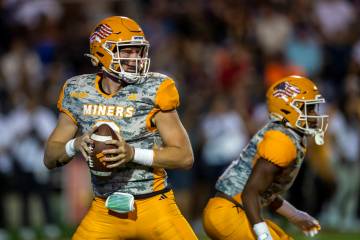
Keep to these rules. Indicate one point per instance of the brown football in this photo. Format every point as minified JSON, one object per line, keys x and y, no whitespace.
{"x":95,"y":162}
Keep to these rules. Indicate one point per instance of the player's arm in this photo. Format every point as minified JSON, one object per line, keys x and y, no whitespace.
{"x":275,"y":151}
{"x":260,"y":179}
{"x":61,"y":145}
{"x":309,"y":225}
{"x":55,"y":154}
{"x":177,"y":151}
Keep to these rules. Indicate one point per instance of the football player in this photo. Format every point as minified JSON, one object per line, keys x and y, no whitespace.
{"x":267,"y":167}
{"x":135,"y":201}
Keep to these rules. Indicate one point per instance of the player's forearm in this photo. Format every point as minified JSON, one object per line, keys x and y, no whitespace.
{"x":173,"y":157}
{"x":167,"y":157}
{"x":251,"y":203}
{"x":55,"y":155}
{"x":283,"y":208}
{"x":287,"y":210}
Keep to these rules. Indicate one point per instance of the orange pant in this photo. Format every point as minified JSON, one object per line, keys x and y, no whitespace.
{"x":222,"y":220}
{"x":156,"y":217}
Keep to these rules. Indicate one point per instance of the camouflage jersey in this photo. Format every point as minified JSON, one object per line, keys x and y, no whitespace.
{"x":275,"y":143}
{"x":132,"y":109}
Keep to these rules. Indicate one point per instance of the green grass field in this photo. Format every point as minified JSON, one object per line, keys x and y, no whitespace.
{"x":324,"y":235}
{"x":320,"y":236}
{"x":331,"y":236}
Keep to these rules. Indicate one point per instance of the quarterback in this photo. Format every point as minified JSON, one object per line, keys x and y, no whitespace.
{"x":135,"y":201}
{"x":267,"y":167}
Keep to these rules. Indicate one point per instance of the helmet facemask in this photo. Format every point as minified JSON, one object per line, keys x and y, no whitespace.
{"x":311,"y":120}
{"x":128,"y":69}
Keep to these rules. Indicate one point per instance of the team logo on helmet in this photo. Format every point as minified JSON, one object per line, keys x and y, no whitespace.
{"x":285,"y":90}
{"x":101,"y":32}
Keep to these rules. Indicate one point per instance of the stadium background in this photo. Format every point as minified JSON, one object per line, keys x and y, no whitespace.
{"x":223,"y":54}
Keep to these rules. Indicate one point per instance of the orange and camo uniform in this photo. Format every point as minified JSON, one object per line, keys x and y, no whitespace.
{"x":156,"y":215}
{"x":224,"y":216}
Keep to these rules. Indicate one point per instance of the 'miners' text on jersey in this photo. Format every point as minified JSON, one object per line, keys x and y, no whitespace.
{"x":132,"y":109}
{"x":275,"y":143}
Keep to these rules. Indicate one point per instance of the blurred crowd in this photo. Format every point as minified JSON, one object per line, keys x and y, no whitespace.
{"x":223,"y":54}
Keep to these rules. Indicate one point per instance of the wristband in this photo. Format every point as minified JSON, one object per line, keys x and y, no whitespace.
{"x":143,"y":156}
{"x":70,"y":148}
{"x":262,"y":231}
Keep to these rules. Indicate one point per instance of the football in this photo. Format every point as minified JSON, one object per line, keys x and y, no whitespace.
{"x":103,"y":133}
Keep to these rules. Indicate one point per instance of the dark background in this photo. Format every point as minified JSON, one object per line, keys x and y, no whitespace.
{"x":223,"y":54}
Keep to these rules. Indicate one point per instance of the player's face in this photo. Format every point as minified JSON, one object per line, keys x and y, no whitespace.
{"x":311,"y":111}
{"x":132,"y":53}
{"x":315,"y":115}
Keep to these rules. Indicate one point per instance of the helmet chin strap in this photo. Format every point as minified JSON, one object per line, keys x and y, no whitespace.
{"x":319,"y":138}
{"x":113,"y":77}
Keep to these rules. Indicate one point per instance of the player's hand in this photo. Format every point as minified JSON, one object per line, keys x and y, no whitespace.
{"x":84,"y":143}
{"x":120,"y":155}
{"x":309,"y":225}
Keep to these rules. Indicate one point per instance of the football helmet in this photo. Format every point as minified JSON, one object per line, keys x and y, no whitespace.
{"x":109,"y":38}
{"x":296,"y":101}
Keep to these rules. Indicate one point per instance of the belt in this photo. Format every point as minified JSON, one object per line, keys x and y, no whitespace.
{"x":229,"y":198}
{"x":152,"y":194}
{"x":145,"y":195}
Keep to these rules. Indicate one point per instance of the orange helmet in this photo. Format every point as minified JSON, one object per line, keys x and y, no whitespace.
{"x":112,"y":35}
{"x":296,"y":101}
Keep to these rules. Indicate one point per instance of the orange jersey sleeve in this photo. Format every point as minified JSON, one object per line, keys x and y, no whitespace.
{"x":166,"y":99}
{"x":277,"y":148}
{"x":167,"y":96}
{"x":63,"y":97}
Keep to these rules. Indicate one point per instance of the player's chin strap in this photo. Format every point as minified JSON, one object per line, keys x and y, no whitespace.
{"x":95,"y":62}
{"x":319,"y":138}
{"x":113,"y":77}
{"x":318,"y":135}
